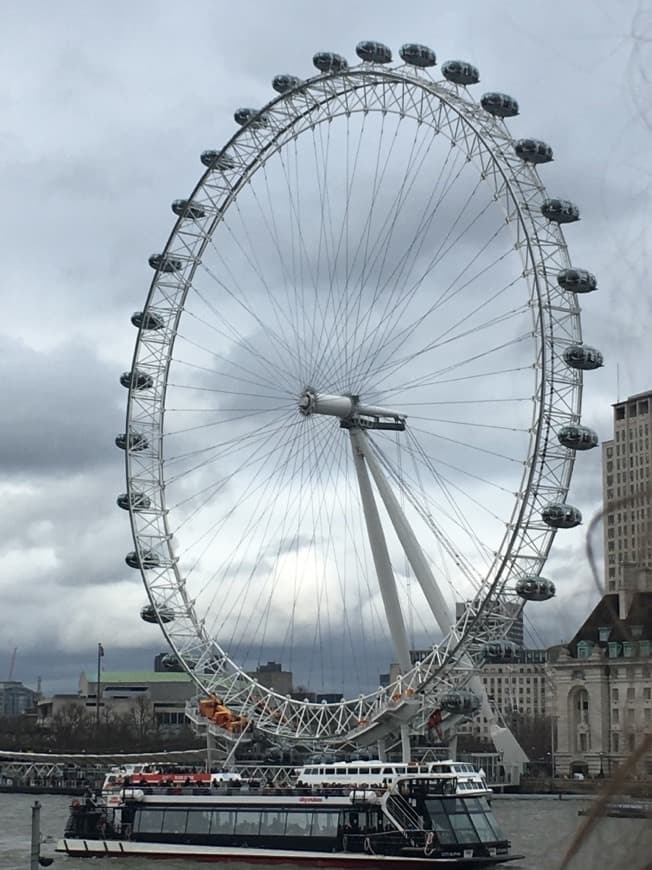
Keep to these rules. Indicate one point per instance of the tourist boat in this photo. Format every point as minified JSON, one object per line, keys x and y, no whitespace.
{"x":414,"y":818}
{"x":622,"y":810}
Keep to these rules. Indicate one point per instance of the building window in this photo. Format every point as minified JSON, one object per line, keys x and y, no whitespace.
{"x":614,"y":695}
{"x":631,"y":742}
{"x":615,"y":715}
{"x":615,"y":742}
{"x":647,"y":693}
{"x":631,"y":693}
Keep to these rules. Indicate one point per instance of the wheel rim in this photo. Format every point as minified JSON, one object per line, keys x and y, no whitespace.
{"x":260,"y":156}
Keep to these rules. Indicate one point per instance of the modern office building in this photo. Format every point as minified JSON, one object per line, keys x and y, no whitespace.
{"x":627,"y":494}
{"x":15,"y":698}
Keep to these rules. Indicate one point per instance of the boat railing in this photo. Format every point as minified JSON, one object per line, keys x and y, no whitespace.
{"x":401,"y":814}
{"x":130,"y":790}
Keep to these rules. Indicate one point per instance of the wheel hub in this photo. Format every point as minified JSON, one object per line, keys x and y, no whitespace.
{"x":351,"y":411}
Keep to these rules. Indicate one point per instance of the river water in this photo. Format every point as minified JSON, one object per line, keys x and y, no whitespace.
{"x":541,"y":829}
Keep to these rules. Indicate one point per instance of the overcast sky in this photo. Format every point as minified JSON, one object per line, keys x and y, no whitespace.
{"x":106,"y":108}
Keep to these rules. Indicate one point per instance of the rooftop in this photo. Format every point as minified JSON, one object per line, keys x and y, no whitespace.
{"x":139,"y":677}
{"x":605,"y":613}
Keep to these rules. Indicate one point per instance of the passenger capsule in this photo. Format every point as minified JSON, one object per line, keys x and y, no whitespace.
{"x":499,"y":105}
{"x":138,"y":501}
{"x":149,"y":614}
{"x":417,"y":55}
{"x":137,"y":380}
{"x":217,"y":160}
{"x":249,"y":116}
{"x":462,"y":701}
{"x":577,"y":280}
{"x":577,"y":437}
{"x":501,"y":649}
{"x":284,"y":83}
{"x":581,"y":356}
{"x":561,"y":516}
{"x":533,"y":151}
{"x":560,"y":211}
{"x":164,"y":263}
{"x":460,"y":72}
{"x":533,"y":588}
{"x":149,"y":559}
{"x":328,"y":61}
{"x":136,"y":442}
{"x":373,"y":52}
{"x":147,"y":320}
{"x":186,"y":208}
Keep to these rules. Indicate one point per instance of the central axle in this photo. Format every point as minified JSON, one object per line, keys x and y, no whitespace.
{"x":351,"y":411}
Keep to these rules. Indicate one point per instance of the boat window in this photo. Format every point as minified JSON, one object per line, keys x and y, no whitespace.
{"x":434,"y":806}
{"x":222,"y":822}
{"x":198,"y":821}
{"x":473,"y":805}
{"x":324,"y":824}
{"x":455,"y":805}
{"x":174,"y":821}
{"x":442,"y":827}
{"x":149,"y":821}
{"x":484,"y":828}
{"x":463,"y":828}
{"x":330,"y":771}
{"x":363,"y":771}
{"x":298,"y":824}
{"x":353,"y":771}
{"x":389,"y":770}
{"x":247,"y":822}
{"x":272,"y":822}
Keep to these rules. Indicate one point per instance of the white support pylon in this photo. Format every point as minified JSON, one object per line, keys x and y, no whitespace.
{"x":382,"y":562}
{"x":406,"y":536}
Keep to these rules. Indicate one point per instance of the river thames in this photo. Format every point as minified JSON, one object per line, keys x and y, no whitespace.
{"x":539,"y":828}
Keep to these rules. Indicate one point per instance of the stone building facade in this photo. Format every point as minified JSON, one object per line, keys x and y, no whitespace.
{"x":602,"y":680}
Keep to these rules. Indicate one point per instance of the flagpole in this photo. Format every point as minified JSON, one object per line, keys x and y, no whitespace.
{"x":100,"y":653}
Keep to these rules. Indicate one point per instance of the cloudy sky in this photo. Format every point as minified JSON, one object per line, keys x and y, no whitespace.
{"x":106,"y":109}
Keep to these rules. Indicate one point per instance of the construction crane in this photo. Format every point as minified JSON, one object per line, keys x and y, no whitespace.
{"x":12,"y":665}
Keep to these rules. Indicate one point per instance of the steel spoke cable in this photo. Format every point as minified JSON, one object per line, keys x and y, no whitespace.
{"x":221,"y":374}
{"x":457,"y":517}
{"x":362,"y":248}
{"x":458,"y":558}
{"x":419,"y":239}
{"x":212,"y":489}
{"x":466,"y":444}
{"x":394,"y":310}
{"x":281,"y":346}
{"x":236,"y":338}
{"x":249,"y":631}
{"x":239,"y":338}
{"x":466,"y":361}
{"x":221,"y":422}
{"x":235,"y":443}
{"x":469,"y":423}
{"x":381,"y":243}
{"x":443,"y":483}
{"x":448,"y":292}
{"x":383,"y":234}
{"x":251,"y":257}
{"x":262,"y":503}
{"x":263,"y":491}
{"x":403,"y":335}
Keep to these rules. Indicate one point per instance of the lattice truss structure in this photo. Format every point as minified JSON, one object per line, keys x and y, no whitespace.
{"x":371,"y":235}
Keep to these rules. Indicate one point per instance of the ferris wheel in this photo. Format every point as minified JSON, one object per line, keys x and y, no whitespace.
{"x":355,"y":397}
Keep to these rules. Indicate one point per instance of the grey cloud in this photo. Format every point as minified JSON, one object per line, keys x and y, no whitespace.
{"x":56,"y":415}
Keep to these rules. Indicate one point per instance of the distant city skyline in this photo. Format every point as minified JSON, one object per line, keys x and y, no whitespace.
{"x":103,"y":132}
